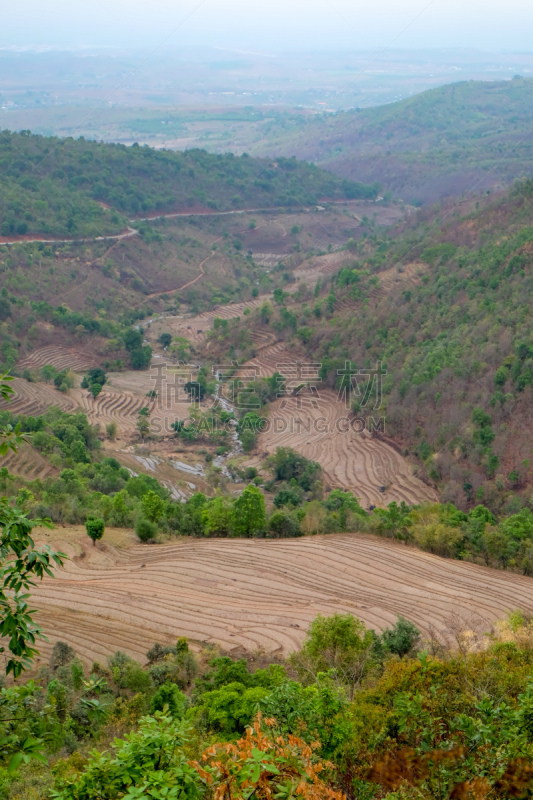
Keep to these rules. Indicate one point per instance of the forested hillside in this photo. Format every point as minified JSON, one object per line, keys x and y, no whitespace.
{"x":68,"y":187}
{"x":463,"y":137}
{"x":457,"y":344}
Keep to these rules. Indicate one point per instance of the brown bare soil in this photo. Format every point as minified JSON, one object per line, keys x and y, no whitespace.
{"x":59,"y":357}
{"x":31,"y":399}
{"x":29,"y":463}
{"x":256,"y":593}
{"x":321,"y":430}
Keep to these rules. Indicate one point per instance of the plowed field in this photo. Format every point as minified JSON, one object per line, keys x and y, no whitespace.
{"x":323,"y":430}
{"x":258,"y":593}
{"x":32,"y":399}
{"x":59,"y":357}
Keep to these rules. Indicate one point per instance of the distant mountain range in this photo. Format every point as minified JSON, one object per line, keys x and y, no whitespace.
{"x":461,"y":138}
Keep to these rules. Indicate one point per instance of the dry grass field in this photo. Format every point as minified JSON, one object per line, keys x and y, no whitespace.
{"x":257,"y":594}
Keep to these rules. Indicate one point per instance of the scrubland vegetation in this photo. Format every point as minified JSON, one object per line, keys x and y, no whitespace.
{"x":352,"y":714}
{"x":459,"y":138}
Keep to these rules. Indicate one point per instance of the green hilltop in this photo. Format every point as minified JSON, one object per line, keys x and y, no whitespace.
{"x":73,"y":187}
{"x":462,"y":137}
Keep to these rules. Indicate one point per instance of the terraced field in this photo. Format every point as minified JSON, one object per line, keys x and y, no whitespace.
{"x":59,"y":357}
{"x":124,"y":395}
{"x":262,"y":338}
{"x":29,"y":464}
{"x":270,"y":358}
{"x":194,"y":328}
{"x":320,"y":429}
{"x":111,"y":406}
{"x":318,"y":267}
{"x":401,"y":277}
{"x":257,"y":593}
{"x":32,"y":399}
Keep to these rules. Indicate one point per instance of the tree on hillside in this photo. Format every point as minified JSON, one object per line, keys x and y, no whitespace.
{"x":165,"y":339}
{"x":145,"y":529}
{"x":143,"y":422}
{"x":196,"y":390}
{"x":402,"y":638}
{"x":153,"y":506}
{"x":48,"y":373}
{"x":111,"y":430}
{"x":95,"y":528}
{"x":62,"y":654}
{"x":133,"y":339}
{"x":217,"y":516}
{"x":249,"y":517}
{"x":95,"y":375}
{"x":287,"y":464}
{"x":64,"y":380}
{"x":339,"y":645}
{"x":141,"y":357}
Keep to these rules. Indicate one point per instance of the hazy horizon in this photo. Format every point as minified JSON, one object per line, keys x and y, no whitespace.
{"x":274,"y":26}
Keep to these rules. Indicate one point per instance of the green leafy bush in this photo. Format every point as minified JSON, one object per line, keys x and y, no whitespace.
{"x":145,"y":530}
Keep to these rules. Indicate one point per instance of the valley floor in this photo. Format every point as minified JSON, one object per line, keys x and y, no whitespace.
{"x":357,"y":461}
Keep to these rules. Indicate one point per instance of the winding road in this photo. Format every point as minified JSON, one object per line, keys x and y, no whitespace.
{"x":175,"y":214}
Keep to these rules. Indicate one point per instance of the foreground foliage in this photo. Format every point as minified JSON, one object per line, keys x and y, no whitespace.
{"x":440,"y":722}
{"x":147,"y":763}
{"x":21,"y":563}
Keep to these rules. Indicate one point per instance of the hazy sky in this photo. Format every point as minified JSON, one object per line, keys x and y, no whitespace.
{"x":272,"y":24}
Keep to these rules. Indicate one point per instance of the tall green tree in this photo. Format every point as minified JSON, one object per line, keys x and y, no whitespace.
{"x":143,"y":423}
{"x":153,"y":506}
{"x":249,"y":518}
{"x":217,"y":516}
